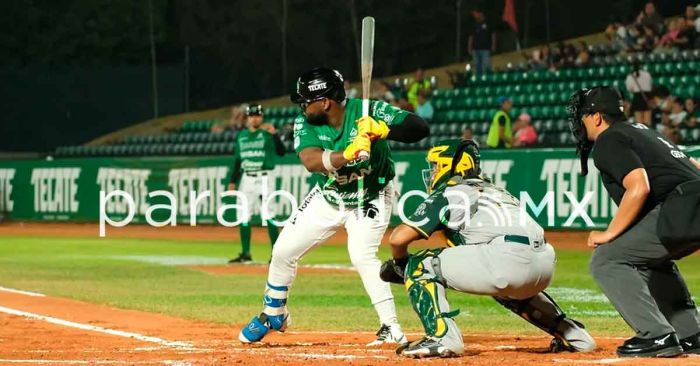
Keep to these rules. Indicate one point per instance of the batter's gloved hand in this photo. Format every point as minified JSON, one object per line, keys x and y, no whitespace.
{"x":393,"y":270}
{"x":359,"y":144}
{"x":373,"y":128}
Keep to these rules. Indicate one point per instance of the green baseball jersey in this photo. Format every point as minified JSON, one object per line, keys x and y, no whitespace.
{"x":377,"y":172}
{"x":255,"y":150}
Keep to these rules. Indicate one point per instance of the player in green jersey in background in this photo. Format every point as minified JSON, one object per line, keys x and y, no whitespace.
{"x":329,"y":137}
{"x":257,"y":147}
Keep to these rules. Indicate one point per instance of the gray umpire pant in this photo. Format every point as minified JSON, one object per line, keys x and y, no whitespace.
{"x":635,"y":273}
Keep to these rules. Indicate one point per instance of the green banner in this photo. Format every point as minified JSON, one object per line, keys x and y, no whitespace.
{"x":547,"y":181}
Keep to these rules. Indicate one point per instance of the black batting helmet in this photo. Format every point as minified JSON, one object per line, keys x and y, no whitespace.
{"x":254,"y":110}
{"x":319,"y":83}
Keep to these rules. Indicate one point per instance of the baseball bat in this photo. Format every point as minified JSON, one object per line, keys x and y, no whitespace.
{"x":366,"y":63}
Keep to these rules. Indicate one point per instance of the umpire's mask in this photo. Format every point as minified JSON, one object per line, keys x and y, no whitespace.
{"x":599,"y":99}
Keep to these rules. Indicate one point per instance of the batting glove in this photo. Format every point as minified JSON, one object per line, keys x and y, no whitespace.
{"x":359,"y":144}
{"x":373,"y":128}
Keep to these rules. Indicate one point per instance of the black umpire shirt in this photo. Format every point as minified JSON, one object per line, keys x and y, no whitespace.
{"x":626,"y":146}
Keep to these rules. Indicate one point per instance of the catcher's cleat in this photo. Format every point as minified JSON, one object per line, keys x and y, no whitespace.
{"x":389,"y":334}
{"x":574,"y":337}
{"x":242,"y":258}
{"x":428,"y":347}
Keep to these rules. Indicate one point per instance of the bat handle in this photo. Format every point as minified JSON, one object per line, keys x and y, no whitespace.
{"x":363,"y":155}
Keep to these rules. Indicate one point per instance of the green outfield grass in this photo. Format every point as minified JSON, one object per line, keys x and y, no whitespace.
{"x":149,"y":275}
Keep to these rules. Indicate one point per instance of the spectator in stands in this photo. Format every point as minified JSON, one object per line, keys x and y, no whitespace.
{"x":617,"y":34}
{"x":639,"y":83}
{"x":525,"y":133}
{"x":481,"y":43}
{"x":501,"y":131}
{"x":691,"y":119}
{"x":424,"y":108}
{"x":645,"y":40}
{"x":349,"y":90}
{"x":658,"y":104}
{"x":627,"y":110}
{"x":537,"y":61}
{"x":584,"y":57}
{"x":382,"y":91}
{"x":467,"y":133}
{"x":405,"y":105}
{"x":650,"y":18}
{"x":666,"y":128}
{"x":418,"y":85}
{"x":674,"y":38}
{"x":696,"y":24}
{"x":677,"y":113}
{"x":569,"y":55}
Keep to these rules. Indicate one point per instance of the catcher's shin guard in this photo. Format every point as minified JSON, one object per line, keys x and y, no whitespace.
{"x":426,"y":291}
{"x":544,"y":313}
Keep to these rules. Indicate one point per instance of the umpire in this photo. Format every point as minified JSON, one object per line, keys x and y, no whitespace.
{"x":639,"y":169}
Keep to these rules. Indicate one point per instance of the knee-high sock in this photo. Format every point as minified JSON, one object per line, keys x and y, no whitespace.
{"x":272,"y":232}
{"x":245,"y":238}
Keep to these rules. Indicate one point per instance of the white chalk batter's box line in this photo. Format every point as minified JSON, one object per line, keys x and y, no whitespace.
{"x":187,"y":346}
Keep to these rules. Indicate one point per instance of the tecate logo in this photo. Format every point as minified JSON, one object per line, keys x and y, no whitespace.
{"x":318,"y":86}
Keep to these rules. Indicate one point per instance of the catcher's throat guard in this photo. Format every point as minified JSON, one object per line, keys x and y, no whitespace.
{"x":576,"y":111}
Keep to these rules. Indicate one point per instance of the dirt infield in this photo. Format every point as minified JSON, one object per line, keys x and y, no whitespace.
{"x":46,"y":330}
{"x":37,"y":329}
{"x":560,"y":239}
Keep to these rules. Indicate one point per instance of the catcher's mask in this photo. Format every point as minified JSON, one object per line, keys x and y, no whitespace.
{"x":449,"y":158}
{"x":599,"y":99}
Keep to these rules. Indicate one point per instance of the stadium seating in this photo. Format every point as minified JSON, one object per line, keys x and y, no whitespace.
{"x":541,"y":93}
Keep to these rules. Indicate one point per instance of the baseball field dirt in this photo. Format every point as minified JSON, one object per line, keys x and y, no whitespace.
{"x":38,"y":329}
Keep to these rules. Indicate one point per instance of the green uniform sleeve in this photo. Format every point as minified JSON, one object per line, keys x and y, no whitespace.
{"x":236,"y":170}
{"x":381,"y":110}
{"x":431,"y":215}
{"x":304,"y":135}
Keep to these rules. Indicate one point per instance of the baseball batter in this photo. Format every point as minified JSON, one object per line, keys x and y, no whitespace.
{"x":256,"y":149}
{"x":494,"y":248}
{"x":329,"y":138}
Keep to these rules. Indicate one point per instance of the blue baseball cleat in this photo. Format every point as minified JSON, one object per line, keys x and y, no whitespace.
{"x":255,"y":330}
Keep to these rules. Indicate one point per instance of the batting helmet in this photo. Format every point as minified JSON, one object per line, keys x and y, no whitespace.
{"x":254,"y":110}
{"x":319,"y":83}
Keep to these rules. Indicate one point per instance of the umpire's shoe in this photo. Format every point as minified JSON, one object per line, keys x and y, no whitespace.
{"x":691,"y":344}
{"x":388,"y":334}
{"x":666,"y":345}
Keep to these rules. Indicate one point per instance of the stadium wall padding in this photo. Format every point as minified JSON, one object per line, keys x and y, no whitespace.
{"x":69,"y":189}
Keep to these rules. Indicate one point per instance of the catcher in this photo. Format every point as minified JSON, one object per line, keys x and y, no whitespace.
{"x":494,"y":249}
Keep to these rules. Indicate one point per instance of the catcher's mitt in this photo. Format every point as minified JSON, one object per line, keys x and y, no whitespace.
{"x":393,"y":270}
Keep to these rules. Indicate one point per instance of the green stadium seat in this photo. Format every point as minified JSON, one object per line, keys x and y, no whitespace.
{"x":453,"y":130}
{"x":439,"y":103}
{"x":462,"y":115}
